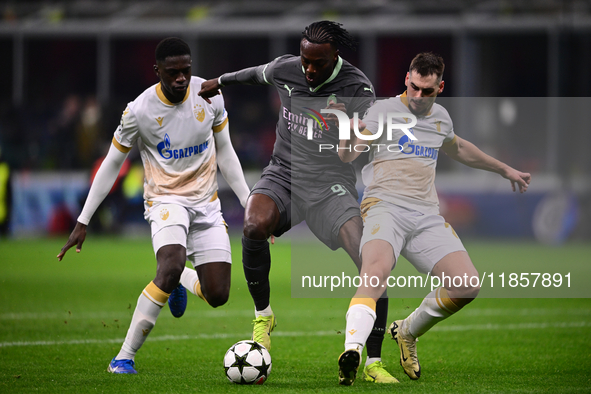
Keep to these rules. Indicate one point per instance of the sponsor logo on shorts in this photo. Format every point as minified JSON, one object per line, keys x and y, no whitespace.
{"x":375,"y":229}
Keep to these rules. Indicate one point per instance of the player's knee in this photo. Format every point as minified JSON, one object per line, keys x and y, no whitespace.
{"x":464,"y":295}
{"x":255,"y":230}
{"x":473,"y":286}
{"x":379,"y":272}
{"x":171,"y":263}
{"x":169,"y":277}
{"x":473,"y":291}
{"x":259,"y":222}
{"x":469,"y":293}
{"x":216,"y":297}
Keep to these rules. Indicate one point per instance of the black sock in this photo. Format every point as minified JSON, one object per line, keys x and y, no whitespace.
{"x":256,"y":261}
{"x":376,"y":337}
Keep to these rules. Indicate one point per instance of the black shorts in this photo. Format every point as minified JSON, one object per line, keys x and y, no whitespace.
{"x":325,"y":206}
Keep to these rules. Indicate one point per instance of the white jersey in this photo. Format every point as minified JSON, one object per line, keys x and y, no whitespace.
{"x":402,"y":171}
{"x":176,"y":144}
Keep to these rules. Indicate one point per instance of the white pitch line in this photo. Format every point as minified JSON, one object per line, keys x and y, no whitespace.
{"x":456,"y":328}
{"x":115,"y":315}
{"x":508,"y":327}
{"x":223,"y":313}
{"x":524,"y":311}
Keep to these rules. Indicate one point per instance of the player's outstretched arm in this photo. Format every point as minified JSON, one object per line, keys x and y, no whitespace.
{"x":230,"y":165}
{"x":467,"y":153}
{"x":258,"y":75}
{"x":102,"y":184}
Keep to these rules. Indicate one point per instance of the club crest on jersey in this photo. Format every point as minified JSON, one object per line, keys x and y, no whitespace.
{"x":199,"y":112}
{"x":438,"y":125}
{"x":164,"y":148}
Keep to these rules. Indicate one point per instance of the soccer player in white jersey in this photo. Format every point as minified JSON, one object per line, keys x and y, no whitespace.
{"x":400,"y":210}
{"x":181,"y":139}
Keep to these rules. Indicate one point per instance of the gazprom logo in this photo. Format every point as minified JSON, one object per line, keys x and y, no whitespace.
{"x":164,"y":147}
{"x":407,"y":147}
{"x":167,"y":153}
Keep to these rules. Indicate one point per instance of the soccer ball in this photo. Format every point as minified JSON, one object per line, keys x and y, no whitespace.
{"x":247,"y":362}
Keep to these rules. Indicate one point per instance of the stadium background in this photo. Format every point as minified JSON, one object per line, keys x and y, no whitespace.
{"x":517,"y":83}
{"x":70,"y":67}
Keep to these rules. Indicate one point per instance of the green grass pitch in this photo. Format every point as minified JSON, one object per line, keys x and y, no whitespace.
{"x":62,"y":322}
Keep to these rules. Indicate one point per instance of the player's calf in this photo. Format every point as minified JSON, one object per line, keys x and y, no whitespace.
{"x":459,"y":277}
{"x":462,"y":296}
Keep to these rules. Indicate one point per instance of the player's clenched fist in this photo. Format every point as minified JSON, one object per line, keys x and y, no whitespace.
{"x":209,"y":89}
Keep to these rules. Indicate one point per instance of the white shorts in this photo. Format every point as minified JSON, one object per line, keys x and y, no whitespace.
{"x":422,"y":239}
{"x":201,"y":230}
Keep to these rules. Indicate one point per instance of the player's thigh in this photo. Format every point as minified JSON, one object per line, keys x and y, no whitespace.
{"x":455,"y":264}
{"x":169,"y":224}
{"x":383,"y":221}
{"x":431,"y":241}
{"x":377,"y":259}
{"x":208,"y":240}
{"x":327,"y":208}
{"x":274,"y":186}
{"x":350,"y":238}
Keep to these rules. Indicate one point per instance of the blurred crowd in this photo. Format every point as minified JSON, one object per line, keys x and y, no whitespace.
{"x":73,"y":133}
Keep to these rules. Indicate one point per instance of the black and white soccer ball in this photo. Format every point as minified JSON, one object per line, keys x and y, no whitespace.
{"x":247,"y":362}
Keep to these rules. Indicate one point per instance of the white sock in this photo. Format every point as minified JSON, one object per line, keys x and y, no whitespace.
{"x":360,"y":319}
{"x":144,"y":318}
{"x":265,"y":312}
{"x":437,"y":306}
{"x":190,"y":280}
{"x":371,"y":360}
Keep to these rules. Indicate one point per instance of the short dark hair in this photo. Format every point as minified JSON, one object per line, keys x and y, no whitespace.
{"x":171,"y":46}
{"x":323,"y":32}
{"x":427,"y":63}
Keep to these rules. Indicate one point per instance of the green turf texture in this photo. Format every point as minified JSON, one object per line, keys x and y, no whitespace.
{"x":62,"y":322}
